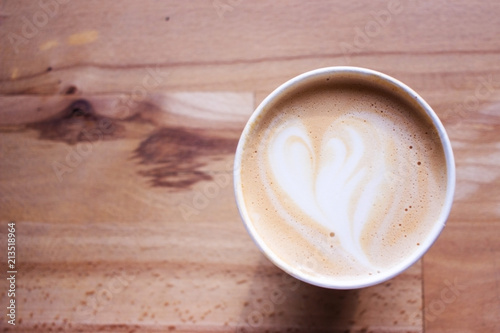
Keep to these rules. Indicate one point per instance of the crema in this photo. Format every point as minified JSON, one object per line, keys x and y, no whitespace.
{"x":343,"y":178}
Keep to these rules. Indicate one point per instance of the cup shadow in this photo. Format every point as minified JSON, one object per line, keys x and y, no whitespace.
{"x":277,"y":302}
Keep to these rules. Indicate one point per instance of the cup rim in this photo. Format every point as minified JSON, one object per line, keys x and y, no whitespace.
{"x":331,"y":282}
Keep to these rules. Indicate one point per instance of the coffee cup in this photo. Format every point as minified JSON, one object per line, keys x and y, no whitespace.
{"x":344,"y":177}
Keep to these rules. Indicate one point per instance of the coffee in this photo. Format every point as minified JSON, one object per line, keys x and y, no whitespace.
{"x":342,"y":178}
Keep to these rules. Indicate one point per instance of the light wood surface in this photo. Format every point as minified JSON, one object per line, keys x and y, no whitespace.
{"x":118,"y":124}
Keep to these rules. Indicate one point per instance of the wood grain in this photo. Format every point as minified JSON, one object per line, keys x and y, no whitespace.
{"x":118,"y":121}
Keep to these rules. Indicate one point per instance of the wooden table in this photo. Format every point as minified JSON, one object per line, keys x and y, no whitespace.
{"x":118,"y":125}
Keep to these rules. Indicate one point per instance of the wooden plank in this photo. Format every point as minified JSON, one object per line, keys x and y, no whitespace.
{"x":461,"y":271}
{"x":126,"y":241}
{"x":254,"y":46}
{"x":152,"y":276}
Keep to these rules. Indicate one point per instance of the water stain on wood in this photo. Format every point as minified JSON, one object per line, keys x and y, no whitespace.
{"x":78,"y":123}
{"x":177,"y":155}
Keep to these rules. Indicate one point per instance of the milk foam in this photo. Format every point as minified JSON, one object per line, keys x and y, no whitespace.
{"x":344,"y":186}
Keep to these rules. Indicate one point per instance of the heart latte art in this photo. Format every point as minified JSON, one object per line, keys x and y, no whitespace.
{"x":324,"y":182}
{"x":343,"y":182}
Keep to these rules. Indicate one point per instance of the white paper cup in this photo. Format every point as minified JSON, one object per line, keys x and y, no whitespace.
{"x":402,"y":91}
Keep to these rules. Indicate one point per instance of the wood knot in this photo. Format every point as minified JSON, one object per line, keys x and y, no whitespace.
{"x":78,"y":122}
{"x":71,"y":90}
{"x":80,"y":108}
